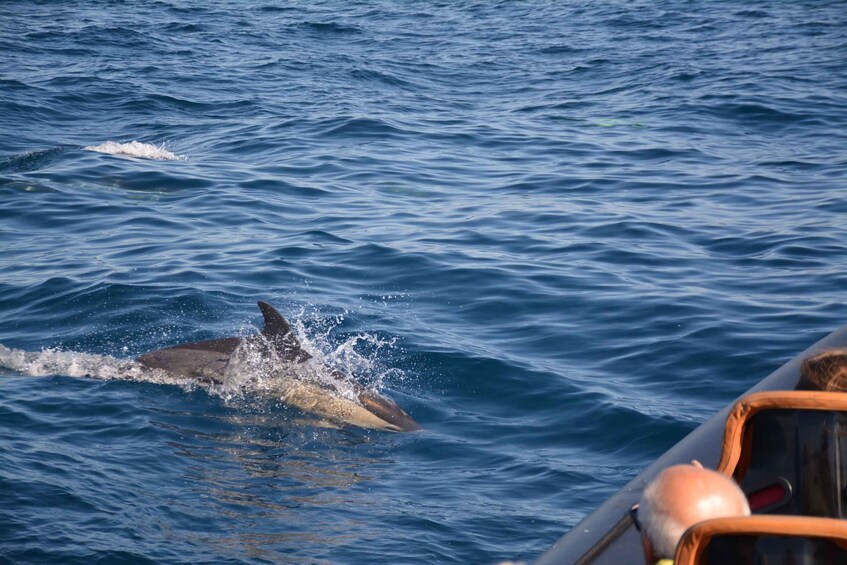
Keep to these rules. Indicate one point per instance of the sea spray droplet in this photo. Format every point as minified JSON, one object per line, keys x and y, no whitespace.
{"x":136,"y":149}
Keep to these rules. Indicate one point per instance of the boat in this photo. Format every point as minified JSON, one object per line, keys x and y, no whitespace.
{"x":608,"y":535}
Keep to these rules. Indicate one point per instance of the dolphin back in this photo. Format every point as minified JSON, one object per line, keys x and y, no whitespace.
{"x":209,"y":360}
{"x":203,"y":360}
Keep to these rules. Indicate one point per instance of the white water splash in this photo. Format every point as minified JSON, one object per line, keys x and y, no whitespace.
{"x":250,"y":371}
{"x":81,"y":365}
{"x":346,"y":357}
{"x":136,"y":149}
{"x":340,"y":368}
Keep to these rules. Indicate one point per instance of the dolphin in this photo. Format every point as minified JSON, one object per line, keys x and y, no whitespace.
{"x":208,"y":361}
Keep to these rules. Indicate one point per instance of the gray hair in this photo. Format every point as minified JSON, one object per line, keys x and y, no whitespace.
{"x":660,"y":527}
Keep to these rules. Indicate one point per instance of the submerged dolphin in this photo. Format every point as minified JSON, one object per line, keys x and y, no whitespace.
{"x":208,"y":361}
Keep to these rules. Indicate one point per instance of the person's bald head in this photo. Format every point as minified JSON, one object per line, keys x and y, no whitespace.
{"x":681,"y":496}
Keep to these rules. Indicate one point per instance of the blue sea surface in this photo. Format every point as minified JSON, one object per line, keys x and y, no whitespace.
{"x":560,"y":234}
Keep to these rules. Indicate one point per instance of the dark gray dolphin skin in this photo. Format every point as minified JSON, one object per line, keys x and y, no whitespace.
{"x":207,"y":361}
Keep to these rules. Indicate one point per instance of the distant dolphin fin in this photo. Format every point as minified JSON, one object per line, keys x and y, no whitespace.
{"x":278,"y":332}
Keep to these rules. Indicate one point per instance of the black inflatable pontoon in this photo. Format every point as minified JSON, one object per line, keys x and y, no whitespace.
{"x":607,"y":535}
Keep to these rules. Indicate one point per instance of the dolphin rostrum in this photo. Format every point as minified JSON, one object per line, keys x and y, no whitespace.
{"x":211,"y":361}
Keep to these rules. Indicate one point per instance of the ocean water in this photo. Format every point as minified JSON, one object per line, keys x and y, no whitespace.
{"x":560,"y":234}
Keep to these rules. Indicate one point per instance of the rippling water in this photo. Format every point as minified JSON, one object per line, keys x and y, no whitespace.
{"x":560,"y":234}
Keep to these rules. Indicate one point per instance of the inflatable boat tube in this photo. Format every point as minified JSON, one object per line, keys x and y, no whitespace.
{"x":607,"y":535}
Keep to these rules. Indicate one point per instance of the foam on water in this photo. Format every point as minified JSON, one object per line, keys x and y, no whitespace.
{"x":136,"y":149}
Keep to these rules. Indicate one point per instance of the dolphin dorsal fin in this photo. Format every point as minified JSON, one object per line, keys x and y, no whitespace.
{"x":275,"y":324}
{"x":278,"y":332}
